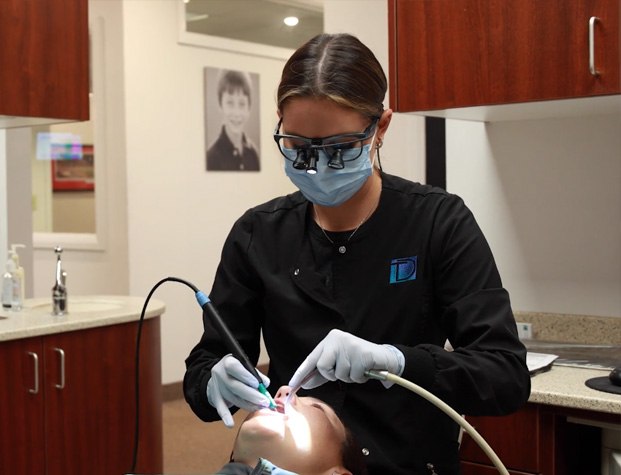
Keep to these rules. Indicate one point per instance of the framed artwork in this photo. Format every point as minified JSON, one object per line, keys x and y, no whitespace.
{"x":232,"y":120}
{"x":75,"y":175}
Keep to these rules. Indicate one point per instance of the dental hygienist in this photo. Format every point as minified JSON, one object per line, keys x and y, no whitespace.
{"x":360,"y":270}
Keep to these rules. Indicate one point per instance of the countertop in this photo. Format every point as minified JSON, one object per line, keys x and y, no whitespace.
{"x":589,"y":346}
{"x":564,"y":386}
{"x":36,"y":318}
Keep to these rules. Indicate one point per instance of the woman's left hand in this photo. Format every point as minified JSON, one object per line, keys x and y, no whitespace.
{"x":343,"y":356}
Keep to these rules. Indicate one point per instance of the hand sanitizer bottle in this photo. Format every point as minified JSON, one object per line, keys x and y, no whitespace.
{"x":10,"y":287}
{"x":7,"y":287}
{"x":17,"y":275}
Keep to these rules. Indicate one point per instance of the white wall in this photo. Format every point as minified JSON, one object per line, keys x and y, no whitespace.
{"x":547,"y":194}
{"x":179,"y":215}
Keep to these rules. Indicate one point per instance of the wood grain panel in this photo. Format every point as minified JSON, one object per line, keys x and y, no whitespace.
{"x":90,"y":421}
{"x":22,"y":440}
{"x":460,"y":53}
{"x":44,"y":55}
{"x":514,"y":438}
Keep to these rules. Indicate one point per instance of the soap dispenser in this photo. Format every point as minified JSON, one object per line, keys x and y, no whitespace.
{"x":19,"y":279}
{"x":13,"y":281}
{"x":7,"y":284}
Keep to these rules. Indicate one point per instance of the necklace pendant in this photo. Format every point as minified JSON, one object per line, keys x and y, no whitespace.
{"x":342,"y":249}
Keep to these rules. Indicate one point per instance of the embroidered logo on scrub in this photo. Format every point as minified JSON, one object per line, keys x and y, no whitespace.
{"x":403,"y":269}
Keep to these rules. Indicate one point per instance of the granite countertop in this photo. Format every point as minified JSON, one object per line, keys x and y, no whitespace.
{"x":564,"y":386}
{"x":36,"y":317}
{"x":587,"y":346}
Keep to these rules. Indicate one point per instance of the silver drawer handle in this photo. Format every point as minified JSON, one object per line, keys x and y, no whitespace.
{"x":592,"y":68}
{"x":35,"y":359}
{"x":62,"y":368}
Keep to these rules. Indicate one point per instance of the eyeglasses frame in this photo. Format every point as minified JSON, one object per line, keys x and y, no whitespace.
{"x":314,"y":144}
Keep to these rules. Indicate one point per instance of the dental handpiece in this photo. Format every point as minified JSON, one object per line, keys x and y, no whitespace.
{"x":231,"y":343}
{"x":298,"y":386}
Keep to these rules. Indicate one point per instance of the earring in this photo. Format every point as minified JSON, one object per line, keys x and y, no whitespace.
{"x":379,"y":144}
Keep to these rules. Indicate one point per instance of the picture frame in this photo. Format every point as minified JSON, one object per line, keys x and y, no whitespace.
{"x":75,"y":175}
{"x":232,"y":111}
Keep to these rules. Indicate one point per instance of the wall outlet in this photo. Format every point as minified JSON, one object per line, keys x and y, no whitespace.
{"x":525,"y":331}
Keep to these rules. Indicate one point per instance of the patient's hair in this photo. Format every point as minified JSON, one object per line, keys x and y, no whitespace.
{"x":351,"y":452}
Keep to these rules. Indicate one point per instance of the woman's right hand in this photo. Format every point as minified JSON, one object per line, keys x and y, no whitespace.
{"x":233,"y":385}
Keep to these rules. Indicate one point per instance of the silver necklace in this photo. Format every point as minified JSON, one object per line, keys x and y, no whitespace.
{"x":342,"y":248}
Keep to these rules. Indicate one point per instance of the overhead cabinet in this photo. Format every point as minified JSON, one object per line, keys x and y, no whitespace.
{"x":44,"y":61}
{"x":462,"y":53}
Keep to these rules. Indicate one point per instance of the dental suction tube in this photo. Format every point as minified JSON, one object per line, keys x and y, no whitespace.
{"x":386,"y":376}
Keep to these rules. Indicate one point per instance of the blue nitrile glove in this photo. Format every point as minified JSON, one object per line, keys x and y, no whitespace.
{"x":233,"y":385}
{"x":346,"y":357}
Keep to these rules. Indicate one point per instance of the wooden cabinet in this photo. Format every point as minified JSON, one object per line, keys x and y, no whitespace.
{"x":538,"y":439}
{"x":460,"y":53}
{"x":67,"y":402}
{"x":22,"y":422}
{"x":44,"y":61}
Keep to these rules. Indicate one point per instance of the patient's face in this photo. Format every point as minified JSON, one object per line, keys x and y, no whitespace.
{"x":305,"y":437}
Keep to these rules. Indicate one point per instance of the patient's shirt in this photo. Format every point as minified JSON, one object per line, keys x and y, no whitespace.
{"x":264,"y":467}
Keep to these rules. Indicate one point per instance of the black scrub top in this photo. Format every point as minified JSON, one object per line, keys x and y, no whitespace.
{"x":419,"y":272}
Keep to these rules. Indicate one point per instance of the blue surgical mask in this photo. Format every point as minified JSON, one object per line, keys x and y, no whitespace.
{"x":329,"y":186}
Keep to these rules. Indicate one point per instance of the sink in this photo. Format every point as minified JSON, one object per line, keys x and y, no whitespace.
{"x":77,"y":305}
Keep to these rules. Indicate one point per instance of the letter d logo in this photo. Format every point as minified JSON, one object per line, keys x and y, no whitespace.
{"x":403,"y":269}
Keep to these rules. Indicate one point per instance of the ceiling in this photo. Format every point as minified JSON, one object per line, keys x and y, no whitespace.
{"x":256,"y":21}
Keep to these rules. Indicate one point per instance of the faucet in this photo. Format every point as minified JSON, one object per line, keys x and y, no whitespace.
{"x":59,"y":291}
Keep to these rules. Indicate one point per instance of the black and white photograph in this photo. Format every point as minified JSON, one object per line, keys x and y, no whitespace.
{"x":232,"y":129}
